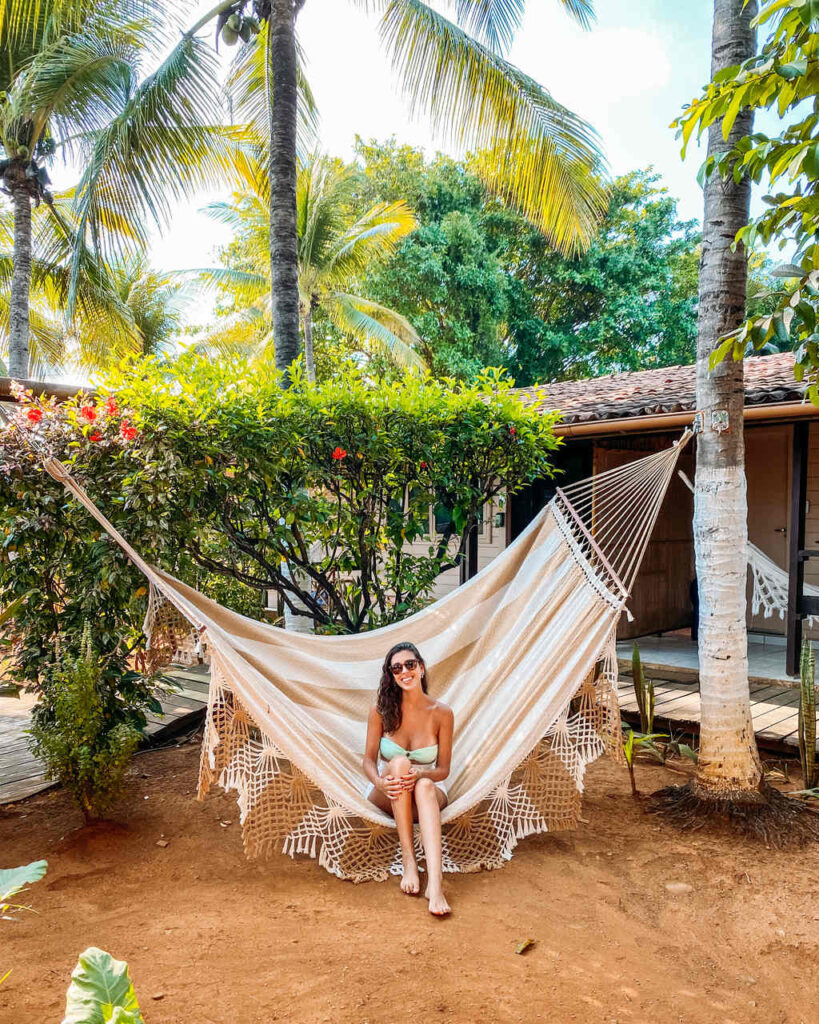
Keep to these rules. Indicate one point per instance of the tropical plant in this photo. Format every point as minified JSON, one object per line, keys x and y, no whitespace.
{"x":784,"y":76}
{"x":101,"y":991}
{"x":531,"y":149}
{"x":102,"y":328}
{"x":807,"y":716}
{"x":84,"y":733}
{"x":633,"y":744}
{"x":643,"y":691}
{"x":336,"y":248}
{"x":14,"y":881}
{"x":76,"y":85}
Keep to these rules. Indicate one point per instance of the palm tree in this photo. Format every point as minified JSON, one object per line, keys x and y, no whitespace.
{"x":532,"y":149}
{"x":729,"y":770}
{"x":74,"y":83}
{"x":335,"y":248}
{"x":102,"y":327}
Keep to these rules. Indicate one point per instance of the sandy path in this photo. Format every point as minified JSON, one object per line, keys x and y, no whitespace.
{"x":224,"y":941}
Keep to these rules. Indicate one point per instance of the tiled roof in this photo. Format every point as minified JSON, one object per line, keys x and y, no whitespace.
{"x":768,"y":380}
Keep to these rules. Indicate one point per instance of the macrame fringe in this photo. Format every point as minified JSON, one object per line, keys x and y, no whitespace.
{"x":282,"y":810}
{"x":172,"y":639}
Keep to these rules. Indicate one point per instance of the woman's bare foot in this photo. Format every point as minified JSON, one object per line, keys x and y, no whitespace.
{"x":437,"y":901}
{"x":410,"y":882}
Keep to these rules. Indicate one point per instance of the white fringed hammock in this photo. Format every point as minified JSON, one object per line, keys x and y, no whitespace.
{"x":523,"y":653}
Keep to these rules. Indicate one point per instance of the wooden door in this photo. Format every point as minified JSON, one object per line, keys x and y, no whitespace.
{"x":660,"y":599}
{"x":767,"y":470}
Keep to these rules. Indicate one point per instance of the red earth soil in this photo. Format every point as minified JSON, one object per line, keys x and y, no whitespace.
{"x":214,"y":939}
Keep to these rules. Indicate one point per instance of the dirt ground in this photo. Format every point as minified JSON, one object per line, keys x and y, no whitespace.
{"x":214,"y":939}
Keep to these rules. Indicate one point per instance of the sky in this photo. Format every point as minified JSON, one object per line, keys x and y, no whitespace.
{"x":629,"y":76}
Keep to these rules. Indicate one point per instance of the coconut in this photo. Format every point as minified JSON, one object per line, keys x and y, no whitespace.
{"x":234,"y":22}
{"x":229,"y":36}
{"x":245,"y":32}
{"x":23,"y":152}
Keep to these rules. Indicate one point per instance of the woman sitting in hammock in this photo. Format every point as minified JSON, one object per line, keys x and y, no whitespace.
{"x":412,"y":733}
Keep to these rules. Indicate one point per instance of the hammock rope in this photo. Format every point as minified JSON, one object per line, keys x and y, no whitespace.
{"x":524,"y":653}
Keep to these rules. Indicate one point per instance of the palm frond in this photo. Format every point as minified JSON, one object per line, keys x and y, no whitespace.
{"x":249,"y":91}
{"x":246,"y":334}
{"x":392,"y":333}
{"x":167,"y":140}
{"x":494,"y":22}
{"x":323,"y":188}
{"x":541,"y":153}
{"x":76,"y":84}
{"x":372,"y":238}
{"x":581,"y":10}
{"x":47,"y":336}
{"x":244,"y":287}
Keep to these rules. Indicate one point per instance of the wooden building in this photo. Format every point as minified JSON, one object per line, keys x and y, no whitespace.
{"x":613,"y":419}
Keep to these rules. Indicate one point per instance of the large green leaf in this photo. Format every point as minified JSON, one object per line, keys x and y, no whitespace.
{"x":14,"y":880}
{"x":101,"y":991}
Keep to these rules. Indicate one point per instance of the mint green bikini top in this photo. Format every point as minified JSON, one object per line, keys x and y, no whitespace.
{"x":423,"y":755}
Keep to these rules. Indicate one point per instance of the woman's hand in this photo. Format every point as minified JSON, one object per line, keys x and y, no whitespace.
{"x":408,"y":781}
{"x":392,"y":785}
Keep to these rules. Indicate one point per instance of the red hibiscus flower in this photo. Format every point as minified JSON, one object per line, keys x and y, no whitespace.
{"x":423,"y":465}
{"x":126,"y":431}
{"x":34,"y":415}
{"x":339,"y":453}
{"x":512,"y":431}
{"x":88,"y":413}
{"x":95,"y":437}
{"x":111,"y":406}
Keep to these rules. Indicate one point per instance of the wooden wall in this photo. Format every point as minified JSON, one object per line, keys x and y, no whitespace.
{"x":661,"y":597}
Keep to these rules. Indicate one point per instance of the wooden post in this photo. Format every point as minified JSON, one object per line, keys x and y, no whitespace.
{"x":469,"y":552}
{"x":796,"y":545}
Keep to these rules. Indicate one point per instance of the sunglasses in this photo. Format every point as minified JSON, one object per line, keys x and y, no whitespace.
{"x":397,"y":667}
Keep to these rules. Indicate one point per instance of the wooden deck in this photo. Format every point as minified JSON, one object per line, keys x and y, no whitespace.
{"x":774,"y":709}
{"x":21,"y":775}
{"x":677,"y":707}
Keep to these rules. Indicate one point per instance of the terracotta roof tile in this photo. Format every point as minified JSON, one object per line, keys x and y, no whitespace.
{"x":768,"y":380}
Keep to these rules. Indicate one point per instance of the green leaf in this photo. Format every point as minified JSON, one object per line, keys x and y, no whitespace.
{"x":14,"y":880}
{"x":793,"y":69}
{"x":810,"y":162}
{"x":721,"y":352}
{"x":99,"y":987}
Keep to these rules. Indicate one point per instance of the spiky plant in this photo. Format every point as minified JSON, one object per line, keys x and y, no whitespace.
{"x":643,"y":691}
{"x":807,"y":715}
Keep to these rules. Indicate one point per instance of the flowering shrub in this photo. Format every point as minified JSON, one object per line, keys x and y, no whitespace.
{"x":216,"y":474}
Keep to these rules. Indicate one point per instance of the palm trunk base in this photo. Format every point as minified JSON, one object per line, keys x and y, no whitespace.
{"x":763,"y":814}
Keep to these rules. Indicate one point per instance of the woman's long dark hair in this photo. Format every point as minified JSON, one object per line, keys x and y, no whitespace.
{"x":388,"y":702}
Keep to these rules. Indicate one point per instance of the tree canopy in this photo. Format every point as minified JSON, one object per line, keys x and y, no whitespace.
{"x":483,"y":287}
{"x":783,"y":75}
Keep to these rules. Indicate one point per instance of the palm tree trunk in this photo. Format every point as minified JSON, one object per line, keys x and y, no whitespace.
{"x":284,"y":271}
{"x":20,"y":285}
{"x":729,"y":766}
{"x":309,"y":358}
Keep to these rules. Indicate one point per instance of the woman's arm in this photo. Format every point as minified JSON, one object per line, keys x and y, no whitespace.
{"x":387,"y":784}
{"x":446,"y":725}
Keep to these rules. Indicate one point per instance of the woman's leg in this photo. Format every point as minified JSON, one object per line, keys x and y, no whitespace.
{"x":429,"y":800}
{"x":401,"y":809}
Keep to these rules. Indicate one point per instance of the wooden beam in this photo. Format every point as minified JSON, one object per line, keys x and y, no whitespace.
{"x":796,"y":544}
